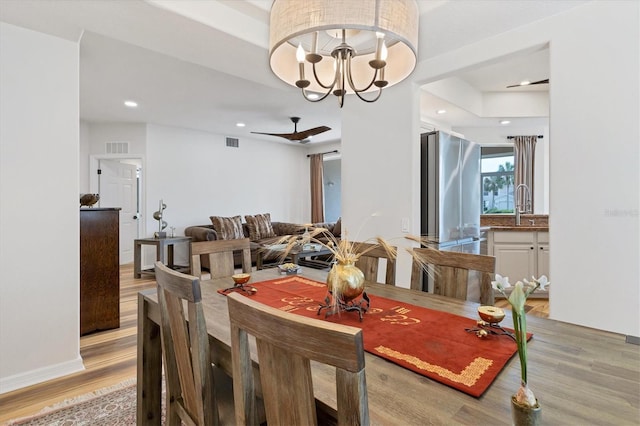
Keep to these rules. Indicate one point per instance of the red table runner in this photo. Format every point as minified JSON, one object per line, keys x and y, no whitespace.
{"x":429,"y":342}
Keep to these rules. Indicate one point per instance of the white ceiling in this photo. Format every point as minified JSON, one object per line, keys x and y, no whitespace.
{"x":207,"y":67}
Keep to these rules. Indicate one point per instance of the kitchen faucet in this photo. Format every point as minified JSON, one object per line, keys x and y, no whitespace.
{"x":520,"y":206}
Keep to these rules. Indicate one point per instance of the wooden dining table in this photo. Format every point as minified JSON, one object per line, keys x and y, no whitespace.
{"x":579,"y":375}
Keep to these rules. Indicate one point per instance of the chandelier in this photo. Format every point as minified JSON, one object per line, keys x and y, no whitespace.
{"x":338,"y":47}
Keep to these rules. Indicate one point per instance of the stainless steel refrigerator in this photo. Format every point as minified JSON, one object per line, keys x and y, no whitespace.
{"x":450,"y":191}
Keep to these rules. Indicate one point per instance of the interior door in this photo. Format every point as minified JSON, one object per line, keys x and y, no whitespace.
{"x":119,"y":188}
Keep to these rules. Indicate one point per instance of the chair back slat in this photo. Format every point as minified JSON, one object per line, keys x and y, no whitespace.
{"x":185,"y":348}
{"x":450,"y":272}
{"x":286,"y":344}
{"x":286,"y":377}
{"x":220,"y":256}
{"x":369,"y":263}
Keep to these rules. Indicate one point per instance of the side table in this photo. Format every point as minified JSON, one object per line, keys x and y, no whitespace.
{"x":160,"y":243}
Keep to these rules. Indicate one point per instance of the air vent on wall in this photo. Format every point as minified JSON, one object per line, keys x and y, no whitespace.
{"x":117,"y":147}
{"x":233,"y":142}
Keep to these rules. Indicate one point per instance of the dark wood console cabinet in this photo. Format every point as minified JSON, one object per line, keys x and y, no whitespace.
{"x":99,"y":269}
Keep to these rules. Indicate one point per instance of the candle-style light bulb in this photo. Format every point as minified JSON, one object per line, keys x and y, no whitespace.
{"x":302,"y":83}
{"x":300,"y":54}
{"x":380,"y":58}
{"x":383,"y":51}
{"x":313,"y":57}
{"x":380,"y":42}
{"x":314,"y":43}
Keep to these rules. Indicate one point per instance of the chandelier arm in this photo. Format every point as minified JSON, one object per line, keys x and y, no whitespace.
{"x":353,"y":86}
{"x":315,"y":76}
{"x":304,"y":93}
{"x":342,"y":91}
{"x":370,"y":100}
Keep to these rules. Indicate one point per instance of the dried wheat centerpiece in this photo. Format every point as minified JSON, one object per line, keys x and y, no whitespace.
{"x":345,"y":282}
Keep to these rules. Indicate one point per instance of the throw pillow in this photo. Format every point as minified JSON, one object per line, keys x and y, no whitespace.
{"x":337,"y":228}
{"x":259,"y":226}
{"x":228,"y":228}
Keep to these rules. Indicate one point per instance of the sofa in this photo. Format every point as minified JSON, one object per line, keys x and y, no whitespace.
{"x":258,"y":228}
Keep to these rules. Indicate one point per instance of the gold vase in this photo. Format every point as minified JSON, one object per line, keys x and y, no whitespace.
{"x":345,"y":281}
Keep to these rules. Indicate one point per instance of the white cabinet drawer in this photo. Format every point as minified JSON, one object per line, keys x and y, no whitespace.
{"x":513,"y":237}
{"x":543,"y":237}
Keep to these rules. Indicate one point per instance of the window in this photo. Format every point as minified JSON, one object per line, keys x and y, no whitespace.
{"x":332,"y":188}
{"x":497,"y":179}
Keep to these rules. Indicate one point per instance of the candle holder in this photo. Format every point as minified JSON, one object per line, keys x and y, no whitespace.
{"x":489,"y":322}
{"x":335,"y":305}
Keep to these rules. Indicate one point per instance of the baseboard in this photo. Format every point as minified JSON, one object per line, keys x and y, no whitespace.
{"x":634,"y":340}
{"x":39,"y":375}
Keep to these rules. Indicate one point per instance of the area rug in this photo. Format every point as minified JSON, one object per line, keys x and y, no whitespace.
{"x":432,"y":343}
{"x":112,"y":406}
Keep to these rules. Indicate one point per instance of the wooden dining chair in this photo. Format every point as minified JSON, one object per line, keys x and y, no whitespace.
{"x":286,"y":343}
{"x":369,"y":262}
{"x":185,"y":349}
{"x":220,"y":257}
{"x":449,"y":272}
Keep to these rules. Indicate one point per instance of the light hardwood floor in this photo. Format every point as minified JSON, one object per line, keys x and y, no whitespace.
{"x":110,"y":356}
{"x":536,"y":307}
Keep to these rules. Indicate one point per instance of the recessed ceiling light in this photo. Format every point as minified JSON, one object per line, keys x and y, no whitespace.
{"x":525,"y":83}
{"x":240,"y":124}
{"x":131,"y":104}
{"x":313,"y":96}
{"x":441,"y":111}
{"x":503,"y":122}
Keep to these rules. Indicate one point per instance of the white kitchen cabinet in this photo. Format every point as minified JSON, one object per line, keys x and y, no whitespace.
{"x":543,"y":254}
{"x":520,"y":254}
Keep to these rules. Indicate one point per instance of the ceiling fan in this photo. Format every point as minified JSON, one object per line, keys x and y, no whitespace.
{"x":296,"y":136}
{"x":545,"y":81}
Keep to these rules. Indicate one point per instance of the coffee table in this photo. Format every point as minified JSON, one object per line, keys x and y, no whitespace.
{"x":297,"y":255}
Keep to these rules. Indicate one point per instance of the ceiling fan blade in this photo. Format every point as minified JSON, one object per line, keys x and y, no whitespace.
{"x":545,"y":81}
{"x":289,"y":136}
{"x":311,"y":132}
{"x":298,"y":136}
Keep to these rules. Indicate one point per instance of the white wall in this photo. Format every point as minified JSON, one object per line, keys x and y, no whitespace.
{"x":198,"y":176}
{"x":380,"y":169}
{"x":515,"y":104}
{"x":594,"y":167}
{"x":593,"y":158}
{"x":85,"y":151}
{"x":133,"y":133}
{"x":39,"y":218}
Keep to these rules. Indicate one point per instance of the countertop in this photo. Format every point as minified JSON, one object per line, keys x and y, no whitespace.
{"x":521,"y":228}
{"x":507,"y":222}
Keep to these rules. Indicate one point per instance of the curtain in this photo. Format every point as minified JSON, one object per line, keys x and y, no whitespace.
{"x":317,"y":195}
{"x":524,"y":153}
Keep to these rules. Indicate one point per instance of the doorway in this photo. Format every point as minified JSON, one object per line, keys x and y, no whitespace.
{"x":119,"y":183}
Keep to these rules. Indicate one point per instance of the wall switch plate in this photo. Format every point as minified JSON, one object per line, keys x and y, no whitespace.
{"x":405,"y":224}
